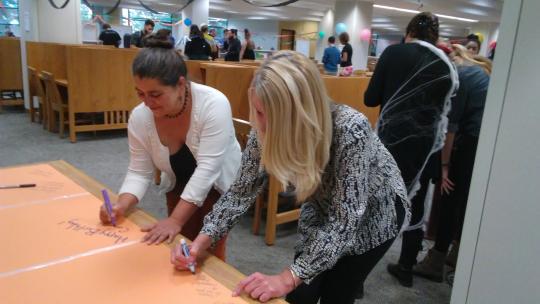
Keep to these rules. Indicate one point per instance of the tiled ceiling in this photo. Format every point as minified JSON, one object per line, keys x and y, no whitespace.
{"x":384,"y":21}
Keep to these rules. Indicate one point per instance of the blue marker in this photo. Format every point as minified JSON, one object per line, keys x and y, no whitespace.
{"x":108,"y":206}
{"x":185,"y":249}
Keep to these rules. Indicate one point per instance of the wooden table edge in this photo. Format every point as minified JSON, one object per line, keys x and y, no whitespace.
{"x":220,"y":271}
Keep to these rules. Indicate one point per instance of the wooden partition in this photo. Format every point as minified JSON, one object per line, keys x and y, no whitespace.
{"x":11,"y":70}
{"x":350,"y":91}
{"x":100,"y":81}
{"x":233,"y":81}
{"x":194,"y":70}
{"x":48,"y":56}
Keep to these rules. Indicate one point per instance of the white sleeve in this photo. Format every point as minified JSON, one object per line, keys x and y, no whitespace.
{"x":216,"y":131}
{"x":141,"y":167}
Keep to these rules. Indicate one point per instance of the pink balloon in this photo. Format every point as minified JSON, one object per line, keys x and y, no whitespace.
{"x":365,"y":35}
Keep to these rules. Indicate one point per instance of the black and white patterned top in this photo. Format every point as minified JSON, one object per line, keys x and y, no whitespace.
{"x":351,"y":212}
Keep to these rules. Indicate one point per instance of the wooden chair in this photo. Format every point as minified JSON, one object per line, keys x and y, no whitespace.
{"x":55,"y":103}
{"x":36,"y":89}
{"x":273,"y":218}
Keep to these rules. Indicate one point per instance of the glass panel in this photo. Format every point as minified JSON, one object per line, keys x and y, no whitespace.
{"x":10,"y":3}
{"x":86,"y":13}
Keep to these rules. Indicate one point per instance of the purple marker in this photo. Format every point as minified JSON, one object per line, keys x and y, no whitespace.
{"x":108,"y":206}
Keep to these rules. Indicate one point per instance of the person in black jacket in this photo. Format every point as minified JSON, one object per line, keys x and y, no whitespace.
{"x":197,"y":48}
{"x":233,"y":53}
{"x":109,"y":36}
{"x":137,"y":38}
{"x":458,"y":157}
{"x":413,"y":83}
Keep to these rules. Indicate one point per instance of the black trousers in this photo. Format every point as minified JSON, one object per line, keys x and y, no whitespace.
{"x":412,"y":240}
{"x":340,"y":284}
{"x":453,"y":205}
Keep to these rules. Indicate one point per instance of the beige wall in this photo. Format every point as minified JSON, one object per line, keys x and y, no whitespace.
{"x":301,"y":27}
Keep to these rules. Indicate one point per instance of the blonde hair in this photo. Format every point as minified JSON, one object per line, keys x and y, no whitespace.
{"x":463,"y":57}
{"x":295,"y":147}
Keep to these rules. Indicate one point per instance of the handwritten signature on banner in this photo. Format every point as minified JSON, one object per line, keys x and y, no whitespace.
{"x":114,"y":233}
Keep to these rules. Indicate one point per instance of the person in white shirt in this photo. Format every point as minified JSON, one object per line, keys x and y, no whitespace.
{"x":185,"y":130}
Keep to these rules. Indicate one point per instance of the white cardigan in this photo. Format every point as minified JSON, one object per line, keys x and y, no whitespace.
{"x":210,"y":138}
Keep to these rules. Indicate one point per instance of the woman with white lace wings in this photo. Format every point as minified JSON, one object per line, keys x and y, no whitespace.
{"x":354,"y":200}
{"x":413,"y":83}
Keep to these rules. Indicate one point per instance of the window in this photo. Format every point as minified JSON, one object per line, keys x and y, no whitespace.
{"x":86,"y":13}
{"x":9,"y":17}
{"x":135,"y":18}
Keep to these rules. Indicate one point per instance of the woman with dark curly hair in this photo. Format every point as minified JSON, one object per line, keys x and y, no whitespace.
{"x":413,"y":83}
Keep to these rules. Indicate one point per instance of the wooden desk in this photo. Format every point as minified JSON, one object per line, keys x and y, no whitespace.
{"x":212,"y":266}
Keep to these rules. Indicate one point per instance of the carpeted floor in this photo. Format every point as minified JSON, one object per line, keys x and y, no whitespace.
{"x":104,"y":156}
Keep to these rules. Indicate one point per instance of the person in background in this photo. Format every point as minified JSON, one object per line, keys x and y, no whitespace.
{"x":331,"y":57}
{"x":166,"y":34}
{"x":210,"y":40}
{"x":346,"y":55}
{"x":413,"y":83}
{"x":109,"y":36}
{"x":197,"y":48}
{"x":137,"y":37}
{"x":458,"y":157}
{"x":225,"y":41}
{"x":185,"y":130}
{"x":248,"y":47}
{"x":473,"y":44}
{"x":233,"y":52}
{"x":353,"y":198}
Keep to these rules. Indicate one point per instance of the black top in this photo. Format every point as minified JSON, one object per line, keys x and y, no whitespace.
{"x":137,"y":39}
{"x":183,"y":164}
{"x":233,"y":53}
{"x":110,"y":37}
{"x":198,"y":49}
{"x":410,"y":83}
{"x":348,"y":50}
{"x":468,"y":104}
{"x":249,"y":53}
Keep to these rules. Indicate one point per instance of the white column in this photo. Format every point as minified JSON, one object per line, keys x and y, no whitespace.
{"x":498,"y":256}
{"x":489,"y":30}
{"x":357,"y":16}
{"x":327,"y":26}
{"x":198,"y":12}
{"x":59,"y":25}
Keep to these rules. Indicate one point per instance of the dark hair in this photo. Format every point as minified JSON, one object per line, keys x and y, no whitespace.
{"x":332,"y":39}
{"x":234,"y":31}
{"x":344,"y":37}
{"x":106,"y":26}
{"x":194,"y":31}
{"x":474,"y":38}
{"x":247,"y":34}
{"x":424,"y":26}
{"x":149,"y":22}
{"x":163,"y":33}
{"x":225,"y":30}
{"x":159,"y":60}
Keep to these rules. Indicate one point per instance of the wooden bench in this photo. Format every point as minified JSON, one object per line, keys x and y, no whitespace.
{"x":350,"y":91}
{"x":100,"y":82}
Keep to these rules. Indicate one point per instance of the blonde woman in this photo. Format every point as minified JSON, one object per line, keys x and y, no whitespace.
{"x":458,"y":157}
{"x":354,"y":200}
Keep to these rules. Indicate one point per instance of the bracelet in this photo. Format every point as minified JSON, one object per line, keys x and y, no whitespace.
{"x":446,"y":164}
{"x":293,"y":277}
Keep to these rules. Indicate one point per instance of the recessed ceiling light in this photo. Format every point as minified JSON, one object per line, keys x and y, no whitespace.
{"x":416,"y":12}
{"x":257,"y":18}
